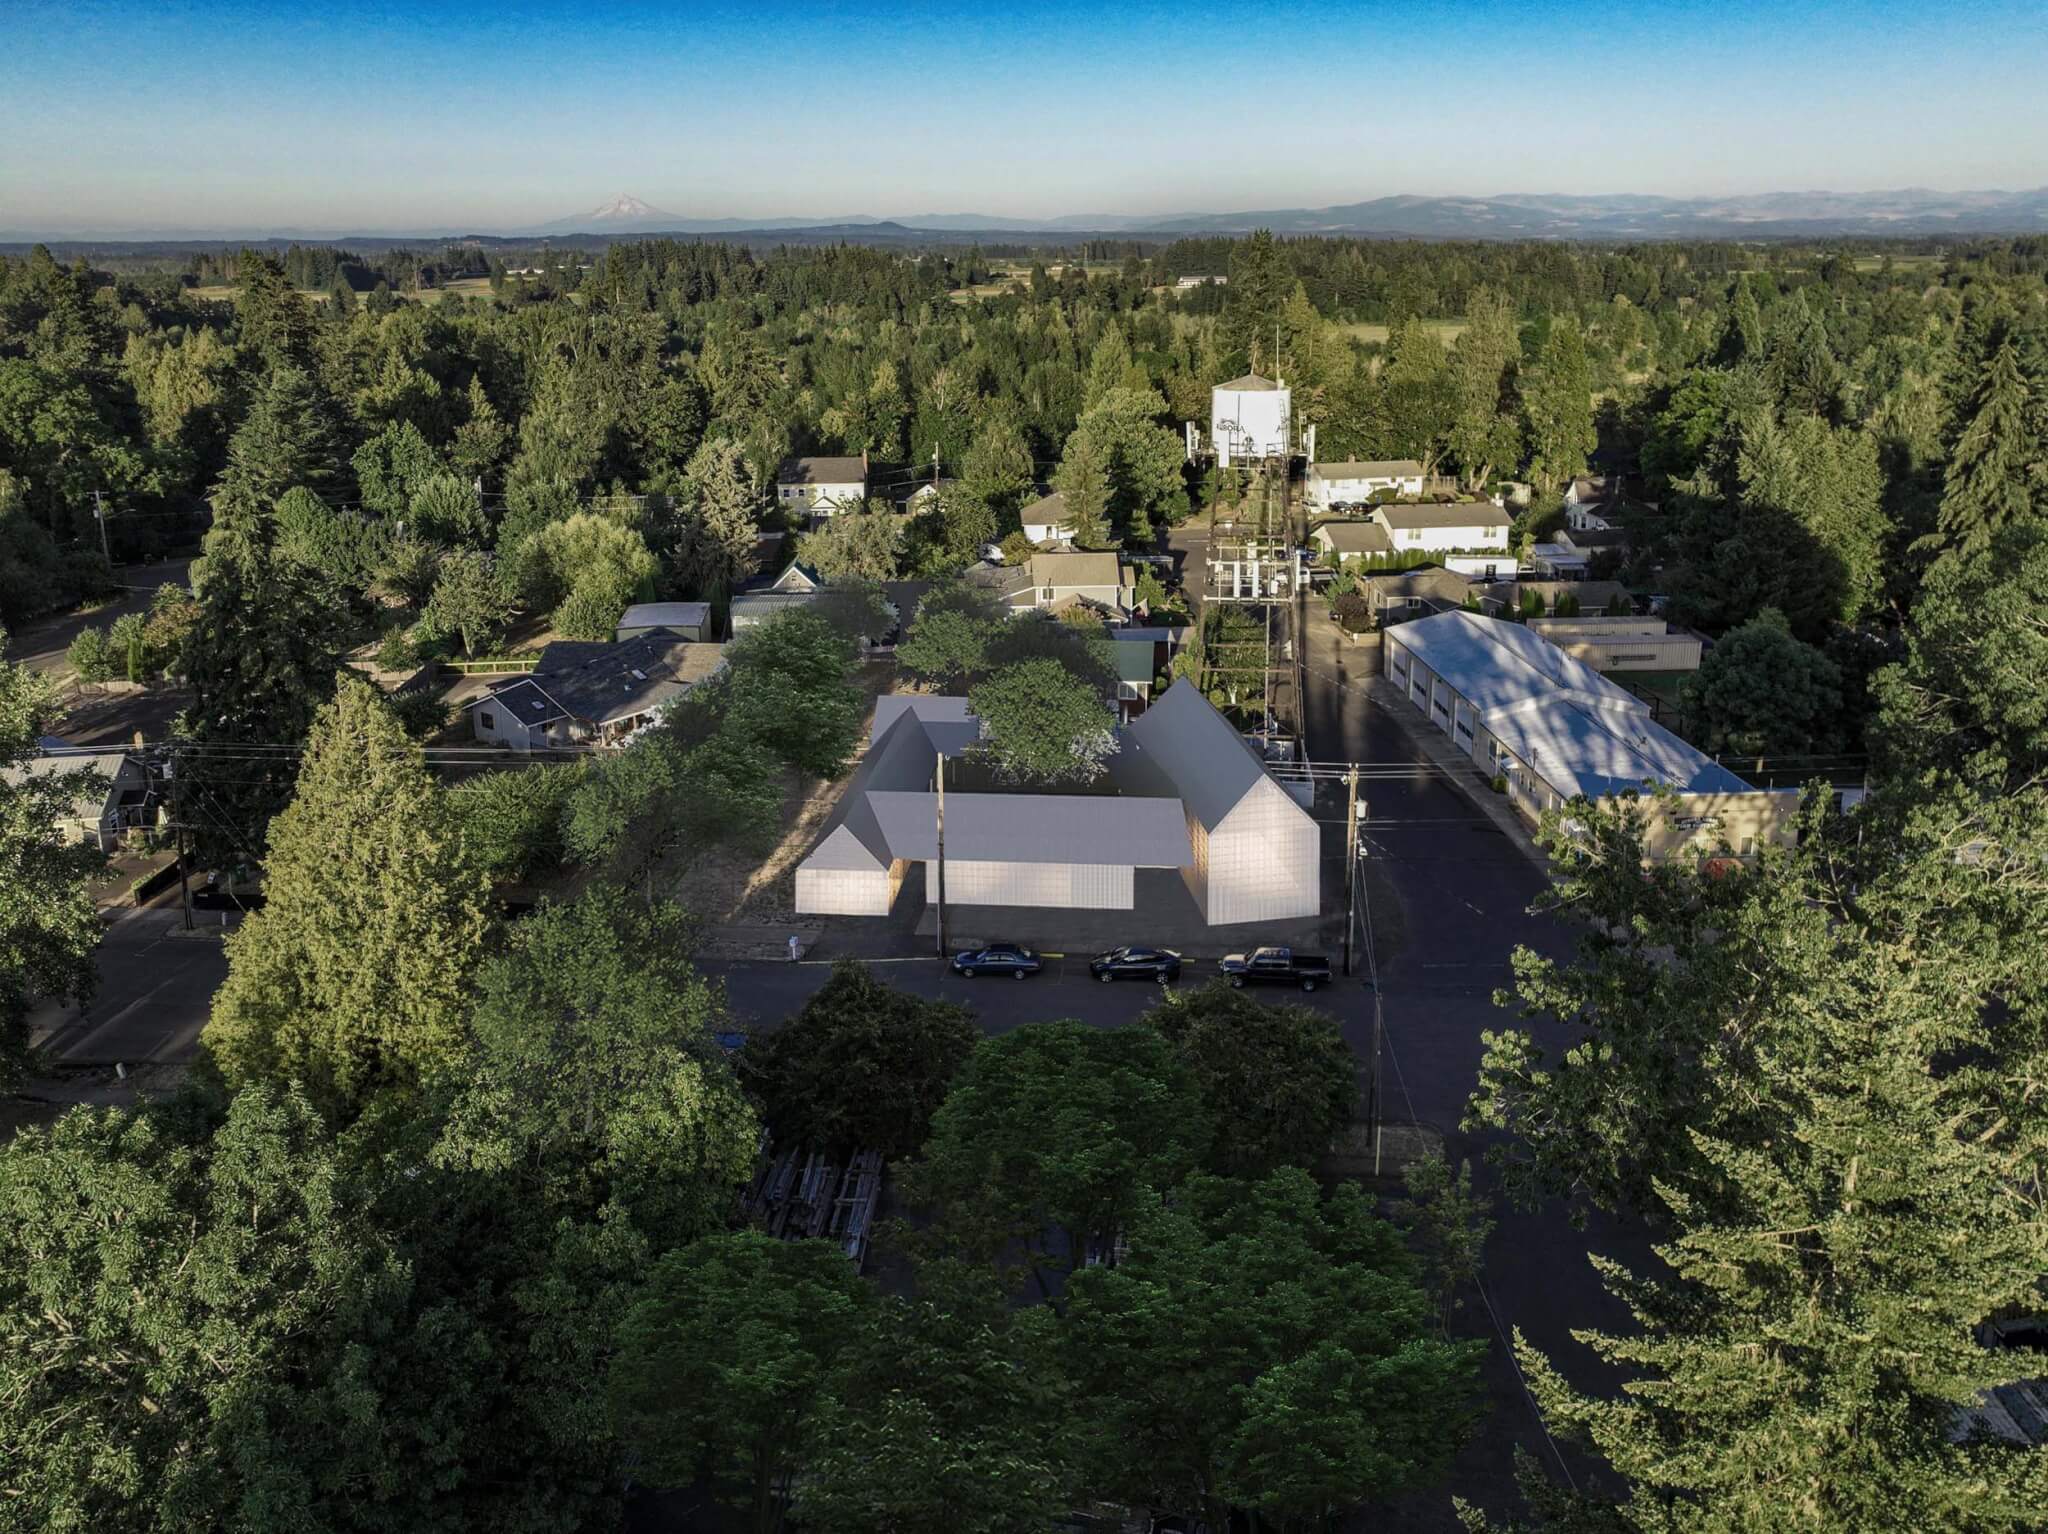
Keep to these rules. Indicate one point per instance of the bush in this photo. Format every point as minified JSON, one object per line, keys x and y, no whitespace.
{"x":91,"y":656}
{"x":1353,"y":611}
{"x":422,"y":713}
{"x":397,"y":652}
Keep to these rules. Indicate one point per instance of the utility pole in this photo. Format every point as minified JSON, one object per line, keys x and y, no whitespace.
{"x":184,"y":882}
{"x":942,"y":857}
{"x":1350,"y":862}
{"x":99,"y":515}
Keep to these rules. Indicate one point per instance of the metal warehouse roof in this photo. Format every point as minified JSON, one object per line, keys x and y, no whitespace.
{"x":1582,"y":733}
{"x":1036,"y":828}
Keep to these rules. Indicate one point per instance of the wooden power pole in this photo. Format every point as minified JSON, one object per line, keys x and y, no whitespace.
{"x":942,"y":857}
{"x":1350,"y":861}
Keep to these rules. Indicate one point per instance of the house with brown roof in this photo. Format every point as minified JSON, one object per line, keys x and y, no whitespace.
{"x":1353,"y":540}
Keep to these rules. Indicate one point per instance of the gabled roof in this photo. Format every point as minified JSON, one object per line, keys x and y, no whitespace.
{"x":795,"y":576}
{"x":1595,"y":537}
{"x":1430,"y":582}
{"x":1035,"y":828}
{"x":1076,"y":570}
{"x":92,"y":803}
{"x":1352,"y":539}
{"x":1581,"y":732}
{"x":821,"y":471}
{"x":1047,"y":509}
{"x":1370,"y":468}
{"x":1132,"y":657}
{"x":1210,"y":765}
{"x":1251,"y":383}
{"x":1464,"y":514}
{"x":602,"y":683}
{"x":525,"y":700}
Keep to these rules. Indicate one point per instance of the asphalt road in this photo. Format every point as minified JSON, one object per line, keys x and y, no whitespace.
{"x":40,"y":645}
{"x":1465,"y":892}
{"x":155,"y":992}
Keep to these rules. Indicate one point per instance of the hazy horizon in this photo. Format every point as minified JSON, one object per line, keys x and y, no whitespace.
{"x":212,"y":114}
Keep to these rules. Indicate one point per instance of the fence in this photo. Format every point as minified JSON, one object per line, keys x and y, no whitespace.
{"x":496,"y":665}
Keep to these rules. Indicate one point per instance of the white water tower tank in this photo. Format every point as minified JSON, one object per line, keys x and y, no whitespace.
{"x":1249,"y":418}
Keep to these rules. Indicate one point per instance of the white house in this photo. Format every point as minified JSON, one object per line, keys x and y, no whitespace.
{"x":821,"y":486}
{"x":927,"y":492}
{"x":1442,"y":529}
{"x":1187,"y":282}
{"x":1184,"y":792}
{"x":1354,"y":483}
{"x":1045,"y":520}
{"x":1250,"y":418}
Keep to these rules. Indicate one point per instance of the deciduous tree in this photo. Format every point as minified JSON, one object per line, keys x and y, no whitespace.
{"x":1041,"y":723}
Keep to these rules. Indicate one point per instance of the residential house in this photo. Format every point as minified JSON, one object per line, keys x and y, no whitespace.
{"x":1134,"y":659}
{"x":926,"y":492}
{"x":593,"y":693}
{"x":1553,"y":730}
{"x":689,"y":620}
{"x":1353,"y":540}
{"x":115,"y":801}
{"x":1045,"y":520}
{"x":1594,"y":541}
{"x":1622,"y":643}
{"x":1400,"y":594}
{"x":1465,"y":527}
{"x":1353,"y":483}
{"x":1054,"y":581}
{"x":1191,"y":281}
{"x":1184,"y":792}
{"x":820,"y":486}
{"x":798,"y":585}
{"x":1250,"y":418}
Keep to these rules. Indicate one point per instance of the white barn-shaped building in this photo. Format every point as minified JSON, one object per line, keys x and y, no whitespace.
{"x":1185,"y":792}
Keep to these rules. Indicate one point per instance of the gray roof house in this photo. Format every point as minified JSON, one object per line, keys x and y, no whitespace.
{"x":1353,"y":540}
{"x":1184,"y":791}
{"x":767,"y":595}
{"x":692,"y":620}
{"x":1053,"y":581}
{"x":580,"y":692}
{"x":113,"y":802}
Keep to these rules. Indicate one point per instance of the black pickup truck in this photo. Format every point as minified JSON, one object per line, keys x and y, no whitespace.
{"x":1275,"y":966}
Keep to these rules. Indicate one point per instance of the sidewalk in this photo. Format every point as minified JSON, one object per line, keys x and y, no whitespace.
{"x":1460,"y":769}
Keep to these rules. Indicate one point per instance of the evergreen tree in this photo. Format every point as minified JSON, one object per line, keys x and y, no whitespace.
{"x":1082,"y":480}
{"x":290,"y":437}
{"x":1996,"y":475}
{"x":715,"y":553}
{"x":353,"y":978}
{"x":1560,"y":405}
{"x":1252,"y":307}
{"x":1485,"y":433}
{"x":260,"y":656}
{"x":481,"y":440}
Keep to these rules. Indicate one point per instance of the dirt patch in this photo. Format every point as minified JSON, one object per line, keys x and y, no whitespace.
{"x":748,"y":902}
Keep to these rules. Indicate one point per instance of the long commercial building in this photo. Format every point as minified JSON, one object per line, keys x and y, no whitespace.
{"x":1183,"y":791}
{"x":1555,"y":730}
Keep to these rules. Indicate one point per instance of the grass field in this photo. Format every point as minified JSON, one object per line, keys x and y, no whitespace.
{"x":1899,"y":262}
{"x":463,"y":287}
{"x":1447,"y":331}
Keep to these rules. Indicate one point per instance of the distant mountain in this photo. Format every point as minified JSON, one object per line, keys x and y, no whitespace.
{"x":623,"y":213}
{"x":1910,"y":211}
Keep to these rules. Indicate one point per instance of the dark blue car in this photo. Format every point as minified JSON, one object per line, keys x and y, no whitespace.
{"x":996,"y":959}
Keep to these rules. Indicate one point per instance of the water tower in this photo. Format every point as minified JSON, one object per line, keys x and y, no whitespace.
{"x":1250,"y":420}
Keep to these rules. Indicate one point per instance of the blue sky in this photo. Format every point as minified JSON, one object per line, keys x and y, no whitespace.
{"x":377,"y":115}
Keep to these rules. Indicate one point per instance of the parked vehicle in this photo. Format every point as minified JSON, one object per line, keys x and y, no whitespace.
{"x":1275,"y":966}
{"x":1127,"y":963}
{"x":996,"y":959}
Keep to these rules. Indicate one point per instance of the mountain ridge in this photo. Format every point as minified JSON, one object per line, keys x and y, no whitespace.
{"x":1905,"y":211}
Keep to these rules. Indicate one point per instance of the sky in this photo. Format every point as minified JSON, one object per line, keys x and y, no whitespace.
{"x":449,"y":114}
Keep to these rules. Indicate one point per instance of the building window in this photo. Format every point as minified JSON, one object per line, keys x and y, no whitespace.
{"x":485,"y":718}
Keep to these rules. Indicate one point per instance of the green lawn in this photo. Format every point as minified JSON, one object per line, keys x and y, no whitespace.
{"x":1447,"y":331}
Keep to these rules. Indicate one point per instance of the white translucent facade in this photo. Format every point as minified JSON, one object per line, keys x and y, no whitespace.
{"x":1261,"y":863}
{"x":1079,"y":886}
{"x":846,"y":891}
{"x":1249,"y":423}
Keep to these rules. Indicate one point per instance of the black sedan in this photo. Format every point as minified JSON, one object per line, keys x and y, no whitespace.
{"x":1161,"y":964}
{"x":997,"y":959}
